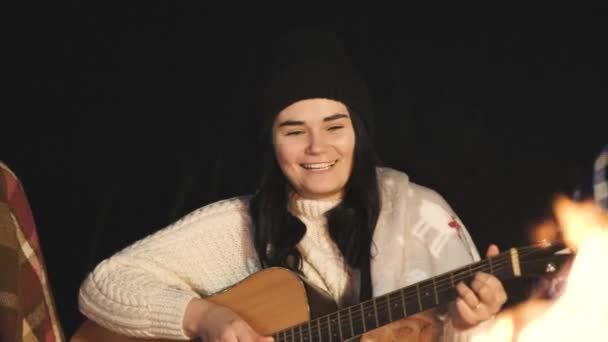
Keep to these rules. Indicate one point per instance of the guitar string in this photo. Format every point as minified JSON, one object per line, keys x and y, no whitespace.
{"x":458,"y":275}
{"x":358,"y":315}
{"x":379,"y":306}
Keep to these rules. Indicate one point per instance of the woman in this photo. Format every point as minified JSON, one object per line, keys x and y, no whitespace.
{"x":324,"y":209}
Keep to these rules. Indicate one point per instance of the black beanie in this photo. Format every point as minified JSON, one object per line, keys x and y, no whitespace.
{"x":314,"y":64}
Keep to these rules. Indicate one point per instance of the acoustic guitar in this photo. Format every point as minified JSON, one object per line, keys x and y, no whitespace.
{"x":278,"y":302}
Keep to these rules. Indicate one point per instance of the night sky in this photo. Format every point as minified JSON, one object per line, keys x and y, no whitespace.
{"x":136,"y":114}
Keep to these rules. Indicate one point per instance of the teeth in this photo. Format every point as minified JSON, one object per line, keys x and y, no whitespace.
{"x":318,"y":166}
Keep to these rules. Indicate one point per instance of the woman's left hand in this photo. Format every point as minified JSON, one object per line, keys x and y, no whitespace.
{"x":480,"y":301}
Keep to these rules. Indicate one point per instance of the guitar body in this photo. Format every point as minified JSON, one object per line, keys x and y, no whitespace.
{"x":270,"y":300}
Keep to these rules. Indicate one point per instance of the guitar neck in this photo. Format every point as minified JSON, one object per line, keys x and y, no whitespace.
{"x":371,"y":314}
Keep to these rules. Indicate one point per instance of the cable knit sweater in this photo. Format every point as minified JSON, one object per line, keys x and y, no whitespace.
{"x":144,"y":289}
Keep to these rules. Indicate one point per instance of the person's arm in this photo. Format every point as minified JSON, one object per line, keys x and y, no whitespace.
{"x":136,"y":298}
{"x":147,"y":289}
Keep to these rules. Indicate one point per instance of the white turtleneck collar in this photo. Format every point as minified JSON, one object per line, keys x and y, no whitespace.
{"x":310,"y":208}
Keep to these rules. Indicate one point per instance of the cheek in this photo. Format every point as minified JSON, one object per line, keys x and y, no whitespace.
{"x":285,"y":154}
{"x":347,"y":147}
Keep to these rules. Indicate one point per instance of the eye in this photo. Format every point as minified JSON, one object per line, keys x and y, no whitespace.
{"x":335,"y":127}
{"x":294,"y":132}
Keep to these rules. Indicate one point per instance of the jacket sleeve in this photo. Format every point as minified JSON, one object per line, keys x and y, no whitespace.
{"x":448,"y":246}
{"x":143,"y":290}
{"x":134,"y":297}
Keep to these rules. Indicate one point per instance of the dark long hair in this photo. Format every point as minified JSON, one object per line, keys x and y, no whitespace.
{"x":351,"y":223}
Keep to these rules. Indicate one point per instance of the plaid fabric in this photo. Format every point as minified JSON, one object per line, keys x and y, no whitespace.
{"x":600,"y":178}
{"x":27,"y":309}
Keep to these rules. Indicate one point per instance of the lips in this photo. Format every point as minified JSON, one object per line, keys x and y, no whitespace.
{"x":319,"y":166}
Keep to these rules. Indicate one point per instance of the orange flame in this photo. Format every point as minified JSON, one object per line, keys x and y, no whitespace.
{"x":581,"y":312}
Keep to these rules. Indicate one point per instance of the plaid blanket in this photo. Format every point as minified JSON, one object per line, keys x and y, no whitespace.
{"x":27,"y":309}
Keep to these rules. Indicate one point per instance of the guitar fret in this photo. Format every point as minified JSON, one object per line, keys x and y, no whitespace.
{"x":308,"y":333}
{"x":435,"y":290}
{"x":491,"y":266}
{"x":301,"y":336}
{"x":329,"y":327}
{"x":319,"y":330}
{"x":418,"y":294}
{"x":350,"y":320}
{"x":340,"y":326}
{"x":375,"y":312}
{"x":403,"y":302}
{"x":363,"y":316}
{"x":388,"y":302}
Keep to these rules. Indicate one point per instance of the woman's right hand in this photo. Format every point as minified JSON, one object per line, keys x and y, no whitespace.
{"x":213,"y":323}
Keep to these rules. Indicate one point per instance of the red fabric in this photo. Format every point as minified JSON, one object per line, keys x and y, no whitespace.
{"x":27,"y":312}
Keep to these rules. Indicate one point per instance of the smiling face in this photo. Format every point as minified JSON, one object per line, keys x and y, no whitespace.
{"x":314,"y":142}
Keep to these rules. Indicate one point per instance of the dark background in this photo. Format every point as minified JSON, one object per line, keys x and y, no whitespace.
{"x":135,"y":114}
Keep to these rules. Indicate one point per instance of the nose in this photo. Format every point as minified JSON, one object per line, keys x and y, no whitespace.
{"x":316,"y":143}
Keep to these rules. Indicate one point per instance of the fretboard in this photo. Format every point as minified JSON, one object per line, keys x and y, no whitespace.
{"x":358,"y":319}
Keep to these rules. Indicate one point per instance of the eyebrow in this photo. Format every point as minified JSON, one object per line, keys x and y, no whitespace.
{"x":327,"y":119}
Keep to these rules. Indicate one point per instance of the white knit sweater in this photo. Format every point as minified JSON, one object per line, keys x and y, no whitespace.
{"x":144,"y":289}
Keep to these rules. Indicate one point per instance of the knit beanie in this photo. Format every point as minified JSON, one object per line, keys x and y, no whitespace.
{"x":314,"y":64}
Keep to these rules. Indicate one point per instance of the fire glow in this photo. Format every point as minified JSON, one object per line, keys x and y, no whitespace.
{"x":580,"y":311}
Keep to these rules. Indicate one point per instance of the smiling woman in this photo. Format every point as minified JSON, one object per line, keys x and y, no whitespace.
{"x":324,"y":210}
{"x":314,"y":143}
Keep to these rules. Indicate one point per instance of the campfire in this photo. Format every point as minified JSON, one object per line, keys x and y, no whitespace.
{"x":577,"y":308}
